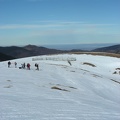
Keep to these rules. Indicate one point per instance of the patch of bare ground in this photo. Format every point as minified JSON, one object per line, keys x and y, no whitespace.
{"x":85,"y":70}
{"x":66,"y":86}
{"x":90,"y":64}
{"x":72,"y":87}
{"x":115,"y":81}
{"x":98,"y":53}
{"x":62,"y":87}
{"x":58,"y":88}
{"x":94,"y":75}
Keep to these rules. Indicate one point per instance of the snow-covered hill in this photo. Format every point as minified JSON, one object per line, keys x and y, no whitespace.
{"x":85,"y":90}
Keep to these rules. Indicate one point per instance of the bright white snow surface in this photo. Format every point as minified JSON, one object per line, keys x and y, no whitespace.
{"x":84,"y":92}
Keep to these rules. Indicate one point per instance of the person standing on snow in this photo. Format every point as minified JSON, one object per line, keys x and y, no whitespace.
{"x":15,"y":64}
{"x":37,"y":66}
{"x":23,"y":65}
{"x":9,"y":63}
{"x":28,"y":66}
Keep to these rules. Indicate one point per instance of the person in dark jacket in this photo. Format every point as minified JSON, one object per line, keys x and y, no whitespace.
{"x":23,"y":66}
{"x":9,"y":63}
{"x":37,"y":66}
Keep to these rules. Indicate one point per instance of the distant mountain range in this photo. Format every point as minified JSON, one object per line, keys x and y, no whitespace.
{"x":110,"y":49}
{"x":4,"y":57}
{"x":27,"y":51}
{"x":12,"y":52}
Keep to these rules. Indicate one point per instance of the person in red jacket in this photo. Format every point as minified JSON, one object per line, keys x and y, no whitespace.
{"x":28,"y":66}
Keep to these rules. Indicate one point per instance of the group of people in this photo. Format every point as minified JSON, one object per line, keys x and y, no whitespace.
{"x":9,"y":64}
{"x":28,"y":66}
{"x":23,"y":66}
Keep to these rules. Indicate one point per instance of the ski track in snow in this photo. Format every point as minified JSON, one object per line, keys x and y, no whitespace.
{"x":90,"y":92}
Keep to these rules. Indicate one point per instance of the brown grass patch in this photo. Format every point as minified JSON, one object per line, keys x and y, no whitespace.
{"x":66,"y":86}
{"x":94,"y":75}
{"x":98,"y":53}
{"x":72,"y":87}
{"x":57,"y":88}
{"x":90,"y":64}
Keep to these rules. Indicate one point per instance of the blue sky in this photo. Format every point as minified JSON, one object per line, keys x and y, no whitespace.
{"x":42,"y":22}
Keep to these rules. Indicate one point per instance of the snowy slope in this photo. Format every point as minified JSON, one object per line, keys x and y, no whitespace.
{"x":59,"y":91}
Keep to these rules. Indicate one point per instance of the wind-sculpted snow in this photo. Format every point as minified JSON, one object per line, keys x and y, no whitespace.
{"x":60,"y":91}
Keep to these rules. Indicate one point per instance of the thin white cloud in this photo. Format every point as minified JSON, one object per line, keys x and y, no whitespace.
{"x":18,"y":26}
{"x":50,"y":24}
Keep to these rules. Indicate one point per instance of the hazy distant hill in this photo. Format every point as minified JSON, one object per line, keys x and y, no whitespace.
{"x":35,"y":50}
{"x":27,"y":51}
{"x":4,"y":57}
{"x":110,"y":49}
{"x":30,"y":50}
{"x":14,"y":51}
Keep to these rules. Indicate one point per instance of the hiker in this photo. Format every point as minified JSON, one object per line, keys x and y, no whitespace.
{"x":28,"y":66}
{"x":23,"y":66}
{"x":15,"y":64}
{"x":37,"y":66}
{"x":9,"y":63}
